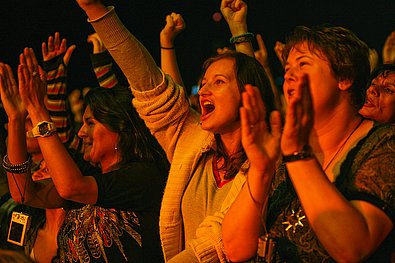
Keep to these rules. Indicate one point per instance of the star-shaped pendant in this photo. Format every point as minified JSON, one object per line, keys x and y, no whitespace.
{"x":294,"y":220}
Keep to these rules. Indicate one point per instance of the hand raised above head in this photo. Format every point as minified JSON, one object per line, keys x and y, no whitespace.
{"x":56,"y":47}
{"x":32,"y":81}
{"x":235,"y":14}
{"x":97,"y":43}
{"x":261,"y":53}
{"x":174,"y":25}
{"x":389,"y":49}
{"x":10,"y":95}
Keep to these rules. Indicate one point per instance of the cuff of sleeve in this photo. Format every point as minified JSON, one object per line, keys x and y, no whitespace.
{"x":53,"y":63}
{"x":101,"y":59}
{"x":204,"y":250}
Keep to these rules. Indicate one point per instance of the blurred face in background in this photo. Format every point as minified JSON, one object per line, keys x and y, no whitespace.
{"x":380,"y":99}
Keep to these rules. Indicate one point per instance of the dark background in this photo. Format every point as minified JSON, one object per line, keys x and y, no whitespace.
{"x":30,"y":22}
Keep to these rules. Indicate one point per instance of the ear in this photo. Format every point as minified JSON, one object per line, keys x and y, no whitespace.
{"x":345,"y":84}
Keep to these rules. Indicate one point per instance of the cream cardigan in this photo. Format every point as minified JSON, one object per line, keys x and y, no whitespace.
{"x":163,"y":106}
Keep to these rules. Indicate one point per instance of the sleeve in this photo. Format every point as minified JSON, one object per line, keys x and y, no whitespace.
{"x":375,"y":179}
{"x":102,"y":66}
{"x":58,"y":104}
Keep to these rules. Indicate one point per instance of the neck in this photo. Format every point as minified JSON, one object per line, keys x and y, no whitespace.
{"x":231,"y":141}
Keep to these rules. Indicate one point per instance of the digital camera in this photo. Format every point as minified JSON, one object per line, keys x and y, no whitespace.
{"x":19,"y":226}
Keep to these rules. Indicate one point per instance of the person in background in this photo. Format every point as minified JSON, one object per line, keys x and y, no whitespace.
{"x":332,"y":198}
{"x":117,"y":207}
{"x":389,"y":49}
{"x":380,"y":96}
{"x":207,"y":159}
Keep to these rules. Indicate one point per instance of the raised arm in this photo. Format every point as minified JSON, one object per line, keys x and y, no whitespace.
{"x":56,"y":57}
{"x":17,"y":162}
{"x":67,"y":177}
{"x":242,"y":224}
{"x":143,"y":73}
{"x":102,"y":62}
{"x":235,"y":14}
{"x":174,"y":25}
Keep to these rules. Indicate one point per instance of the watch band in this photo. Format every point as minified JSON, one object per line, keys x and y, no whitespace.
{"x":305,"y":153}
{"x":42,"y":129}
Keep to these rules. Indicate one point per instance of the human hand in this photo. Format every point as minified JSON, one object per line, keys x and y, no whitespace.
{"x":235,"y":14}
{"x":57,"y":47}
{"x":261,"y":143}
{"x":373,"y":58}
{"x":12,"y":102}
{"x":279,"y":49}
{"x":98,"y":46}
{"x":261,"y":53}
{"x":32,"y":81}
{"x":389,"y":49}
{"x":298,"y":116}
{"x":174,"y":25}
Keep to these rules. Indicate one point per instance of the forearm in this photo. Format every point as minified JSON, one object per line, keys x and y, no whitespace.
{"x":243,"y":223}
{"x":132,"y":57}
{"x":338,"y":224}
{"x":102,"y":66}
{"x":169,"y":65}
{"x":67,"y":177}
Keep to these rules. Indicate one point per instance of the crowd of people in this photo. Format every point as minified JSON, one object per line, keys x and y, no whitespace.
{"x":243,"y":171}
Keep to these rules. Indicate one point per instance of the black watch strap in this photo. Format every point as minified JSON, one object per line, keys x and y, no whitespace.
{"x":305,"y":153}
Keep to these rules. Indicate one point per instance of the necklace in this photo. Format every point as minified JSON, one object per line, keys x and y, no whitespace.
{"x":342,"y":145}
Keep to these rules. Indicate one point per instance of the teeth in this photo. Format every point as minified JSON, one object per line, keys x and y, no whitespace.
{"x":207,"y":103}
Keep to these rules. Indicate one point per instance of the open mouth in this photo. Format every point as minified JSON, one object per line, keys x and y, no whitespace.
{"x":207,"y":107}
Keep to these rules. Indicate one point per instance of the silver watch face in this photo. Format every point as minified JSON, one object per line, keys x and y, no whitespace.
{"x":43,"y":128}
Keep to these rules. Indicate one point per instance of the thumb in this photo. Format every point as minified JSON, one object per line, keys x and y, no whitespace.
{"x":68,"y":53}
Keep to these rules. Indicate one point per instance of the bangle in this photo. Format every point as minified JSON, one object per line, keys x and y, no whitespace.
{"x":305,"y":153}
{"x":246,"y":37}
{"x":19,"y":168}
{"x":169,"y":48}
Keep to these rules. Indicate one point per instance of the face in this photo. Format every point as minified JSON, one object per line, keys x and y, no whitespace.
{"x":220,"y":98}
{"x":99,"y":142}
{"x":323,"y":83}
{"x":380,"y":99}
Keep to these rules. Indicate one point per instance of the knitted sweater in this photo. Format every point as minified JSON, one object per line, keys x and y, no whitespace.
{"x":164,"y":107}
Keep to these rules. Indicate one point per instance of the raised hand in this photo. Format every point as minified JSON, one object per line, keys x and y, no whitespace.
{"x":389,"y":49}
{"x":279,"y":49}
{"x":97,"y":43}
{"x":298,"y":117}
{"x":10,"y":95}
{"x":261,"y":53}
{"x":235,"y":14}
{"x":174,"y":25}
{"x":373,"y":58}
{"x":57,"y":47}
{"x":32,"y":81}
{"x":261,"y":143}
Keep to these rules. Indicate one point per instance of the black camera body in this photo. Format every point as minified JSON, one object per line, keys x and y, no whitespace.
{"x":19,"y":226}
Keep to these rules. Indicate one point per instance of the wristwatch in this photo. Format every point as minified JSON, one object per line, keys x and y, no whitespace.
{"x":42,"y":129}
{"x":305,"y":153}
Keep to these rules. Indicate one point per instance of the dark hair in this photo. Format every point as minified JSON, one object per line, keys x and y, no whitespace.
{"x":248,"y":71}
{"x":113,"y":108}
{"x":383,"y":69}
{"x":347,"y":55}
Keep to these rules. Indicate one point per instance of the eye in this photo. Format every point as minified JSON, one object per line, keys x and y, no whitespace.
{"x":388,"y":90}
{"x":219,"y":82}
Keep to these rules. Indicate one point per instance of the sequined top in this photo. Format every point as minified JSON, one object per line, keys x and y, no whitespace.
{"x":367,"y":174}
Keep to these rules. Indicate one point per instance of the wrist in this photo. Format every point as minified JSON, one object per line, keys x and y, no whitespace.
{"x":302,"y":154}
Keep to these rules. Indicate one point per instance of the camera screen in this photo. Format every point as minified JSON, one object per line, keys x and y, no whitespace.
{"x":16,"y":231}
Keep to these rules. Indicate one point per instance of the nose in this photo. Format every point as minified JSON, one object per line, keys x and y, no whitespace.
{"x":204,"y":90}
{"x":373,"y":90}
{"x":82,"y":131}
{"x":290,"y":74}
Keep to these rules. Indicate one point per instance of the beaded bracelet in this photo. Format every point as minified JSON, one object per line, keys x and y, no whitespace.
{"x":246,"y":37}
{"x":19,"y":168}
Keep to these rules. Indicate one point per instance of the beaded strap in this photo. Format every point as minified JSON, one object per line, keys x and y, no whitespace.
{"x":19,"y":168}
{"x":246,"y":37}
